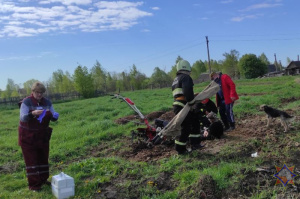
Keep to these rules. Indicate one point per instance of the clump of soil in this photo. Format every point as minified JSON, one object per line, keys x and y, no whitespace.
{"x":126,"y":119}
{"x":154,"y":115}
{"x":168,"y":116}
{"x":141,"y":151}
{"x":163,"y":183}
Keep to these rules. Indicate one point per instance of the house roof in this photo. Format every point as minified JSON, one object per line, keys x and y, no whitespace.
{"x":293,"y":64}
{"x":271,"y":68}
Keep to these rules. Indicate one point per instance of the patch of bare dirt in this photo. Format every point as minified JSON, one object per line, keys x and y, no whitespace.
{"x":248,"y":127}
{"x":141,"y":152}
{"x":126,"y":119}
{"x":289,"y":100}
{"x":252,"y":94}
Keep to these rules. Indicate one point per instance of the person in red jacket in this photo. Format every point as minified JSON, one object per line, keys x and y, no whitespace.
{"x":36,"y":112}
{"x":225,"y":99}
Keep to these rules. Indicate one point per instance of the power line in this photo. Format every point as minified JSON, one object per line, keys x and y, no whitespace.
{"x":258,"y":39}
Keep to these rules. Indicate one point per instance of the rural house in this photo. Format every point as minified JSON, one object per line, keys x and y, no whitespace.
{"x":273,"y":72}
{"x":271,"y":68}
{"x":204,"y":77}
{"x":293,"y":68}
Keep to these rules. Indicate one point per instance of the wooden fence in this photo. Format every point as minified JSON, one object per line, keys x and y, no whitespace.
{"x":53,"y":97}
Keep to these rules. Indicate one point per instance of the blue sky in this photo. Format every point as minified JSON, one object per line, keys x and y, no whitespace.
{"x":39,"y":37}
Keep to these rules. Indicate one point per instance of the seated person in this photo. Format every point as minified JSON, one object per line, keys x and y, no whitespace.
{"x":203,"y":108}
{"x":215,"y":130}
{"x":209,"y":106}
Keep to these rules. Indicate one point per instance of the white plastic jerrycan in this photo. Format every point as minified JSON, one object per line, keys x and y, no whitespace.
{"x":62,"y":186}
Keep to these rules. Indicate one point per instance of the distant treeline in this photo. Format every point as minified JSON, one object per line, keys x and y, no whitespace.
{"x":85,"y":82}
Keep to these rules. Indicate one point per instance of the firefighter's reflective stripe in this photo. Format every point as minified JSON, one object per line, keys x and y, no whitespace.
{"x":177,"y":91}
{"x":179,"y":104}
{"x":37,"y":166}
{"x":180,"y":98}
{"x":37,"y":173}
{"x":194,"y":135}
{"x":180,"y":143}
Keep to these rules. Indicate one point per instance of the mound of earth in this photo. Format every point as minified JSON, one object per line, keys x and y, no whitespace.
{"x":125,"y":120}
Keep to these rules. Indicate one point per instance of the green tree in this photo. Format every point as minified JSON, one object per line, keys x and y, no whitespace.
{"x":83,"y":82}
{"x":28,"y":85}
{"x":67,"y":83}
{"x":61,"y":82}
{"x":198,"y":68}
{"x":264,"y":59}
{"x":12,"y":89}
{"x":57,"y":81}
{"x":99,"y":77}
{"x":136,"y":78}
{"x":288,"y":60}
{"x":251,"y":66}
{"x":123,"y":82}
{"x":160,"y":78}
{"x":111,"y":81}
{"x":230,"y":64}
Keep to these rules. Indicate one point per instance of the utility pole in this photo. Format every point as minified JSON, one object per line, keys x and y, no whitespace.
{"x":208,"y":55}
{"x":275,"y":62}
{"x":280,"y":68}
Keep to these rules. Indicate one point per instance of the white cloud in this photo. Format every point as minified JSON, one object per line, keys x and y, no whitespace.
{"x":226,"y":1}
{"x":145,"y":30}
{"x":155,"y":8}
{"x":241,"y":18}
{"x":67,"y":15}
{"x":67,"y":2}
{"x":260,"y":6}
{"x":117,"y":4}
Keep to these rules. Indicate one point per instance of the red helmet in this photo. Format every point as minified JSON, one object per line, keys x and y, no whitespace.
{"x":204,"y":101}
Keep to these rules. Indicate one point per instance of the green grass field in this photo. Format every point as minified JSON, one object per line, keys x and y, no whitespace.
{"x":88,"y":145}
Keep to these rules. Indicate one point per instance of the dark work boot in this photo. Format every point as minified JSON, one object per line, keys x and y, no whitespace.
{"x":197,"y":146}
{"x":226,"y":128}
{"x":232,"y":125}
{"x":181,"y":149}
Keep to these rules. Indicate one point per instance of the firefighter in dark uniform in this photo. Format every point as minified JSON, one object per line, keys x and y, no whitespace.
{"x":215,"y":129}
{"x":203,"y":108}
{"x":182,"y":89}
{"x":36,"y":112}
